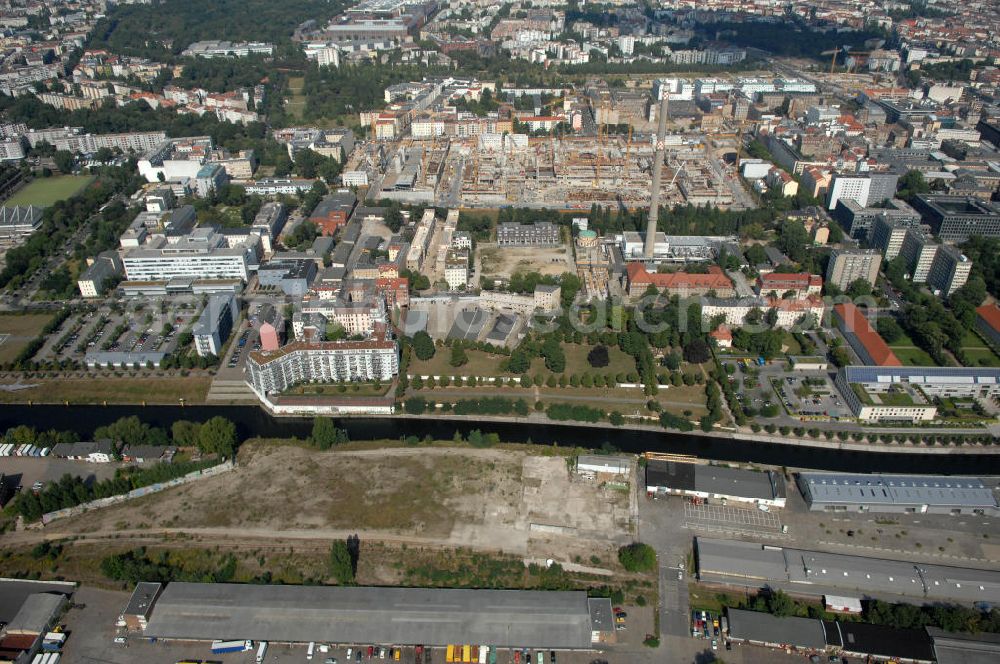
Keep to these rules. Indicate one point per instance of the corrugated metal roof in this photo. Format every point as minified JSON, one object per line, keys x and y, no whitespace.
{"x":402,"y":616}
{"x":765,"y":628}
{"x":903,"y":490}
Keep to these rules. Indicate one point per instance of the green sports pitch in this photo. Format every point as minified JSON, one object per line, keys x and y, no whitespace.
{"x":43,"y":192}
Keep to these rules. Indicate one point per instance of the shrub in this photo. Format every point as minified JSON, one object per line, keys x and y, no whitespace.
{"x":637,"y":557}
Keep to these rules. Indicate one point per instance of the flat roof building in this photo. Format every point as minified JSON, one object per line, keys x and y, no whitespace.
{"x":716,"y":482}
{"x":539,"y":234}
{"x":914,"y":494}
{"x":957,"y":218}
{"x":765,"y":629}
{"x":960,"y":648}
{"x":879,"y":642}
{"x":400,"y":616}
{"x":136,"y":613}
{"x":215,"y":324}
{"x":750,"y":565}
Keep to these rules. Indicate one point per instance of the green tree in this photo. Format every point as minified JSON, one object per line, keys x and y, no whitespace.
{"x":64,"y":161}
{"x":423,"y":345}
{"x":912,"y":184}
{"x":458,"y":356}
{"x":324,"y":433}
{"x":598,"y":356}
{"x":555,"y":357}
{"x":184,"y":433}
{"x":217,"y":435}
{"x":341,"y":564}
{"x":859,"y":288}
{"x":637,"y":557}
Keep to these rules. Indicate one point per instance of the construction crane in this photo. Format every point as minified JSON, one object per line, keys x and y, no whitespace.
{"x":739,"y":145}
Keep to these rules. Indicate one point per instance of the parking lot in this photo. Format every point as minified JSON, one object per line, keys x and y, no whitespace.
{"x":812,"y":395}
{"x":137,"y":325}
{"x":731,"y":519}
{"x":28,"y":470}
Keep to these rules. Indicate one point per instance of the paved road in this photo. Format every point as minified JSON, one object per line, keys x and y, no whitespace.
{"x":674,"y":602}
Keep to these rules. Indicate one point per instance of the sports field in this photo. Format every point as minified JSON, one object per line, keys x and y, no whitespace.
{"x":43,"y":192}
{"x":17,"y":331}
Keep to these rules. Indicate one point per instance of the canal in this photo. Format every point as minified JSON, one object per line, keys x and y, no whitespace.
{"x":252,"y":421}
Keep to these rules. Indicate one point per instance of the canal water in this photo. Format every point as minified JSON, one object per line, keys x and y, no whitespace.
{"x":253,"y":421}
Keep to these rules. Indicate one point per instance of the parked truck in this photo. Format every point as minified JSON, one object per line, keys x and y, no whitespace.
{"x":219,"y":647}
{"x":261,"y":652}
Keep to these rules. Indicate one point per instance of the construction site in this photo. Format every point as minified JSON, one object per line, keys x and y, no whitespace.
{"x":572,"y":172}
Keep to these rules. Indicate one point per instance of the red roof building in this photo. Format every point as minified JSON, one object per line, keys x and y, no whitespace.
{"x":866,"y":342}
{"x":395,"y":290}
{"x":723,"y":337}
{"x":802,"y":284}
{"x":988,"y":322}
{"x":684,"y":284}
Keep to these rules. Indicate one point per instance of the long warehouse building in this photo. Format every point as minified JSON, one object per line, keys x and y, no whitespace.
{"x":902,"y":494}
{"x":750,"y":565}
{"x":389,"y":616}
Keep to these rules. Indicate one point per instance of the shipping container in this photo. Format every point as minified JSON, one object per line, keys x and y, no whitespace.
{"x":219,"y":647}
{"x":450,"y":654}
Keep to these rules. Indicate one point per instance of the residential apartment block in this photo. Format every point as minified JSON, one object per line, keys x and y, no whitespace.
{"x":848,"y":265}
{"x":539,"y":234}
{"x":215,"y":324}
{"x":324,"y":362}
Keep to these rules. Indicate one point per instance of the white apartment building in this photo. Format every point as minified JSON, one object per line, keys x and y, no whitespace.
{"x":456,"y":270}
{"x":325,"y":362}
{"x":11,"y":150}
{"x":354,"y":317}
{"x":736,"y":310}
{"x":545,"y":298}
{"x":275,"y":186}
{"x":848,"y":265}
{"x":71,"y":140}
{"x":354,"y":178}
{"x":919,"y":252}
{"x":949,"y":271}
{"x":853,"y":188}
{"x":203,"y":254}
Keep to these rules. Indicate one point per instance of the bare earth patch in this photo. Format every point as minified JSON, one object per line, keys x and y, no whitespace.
{"x":487,"y":499}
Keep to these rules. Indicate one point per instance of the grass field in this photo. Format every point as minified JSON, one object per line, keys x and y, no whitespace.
{"x":576,"y":361}
{"x":485,"y":364}
{"x":164,"y":389}
{"x":479,"y":364}
{"x":909,"y":354}
{"x":296,"y":102}
{"x":978,"y":352}
{"x":46,"y":191}
{"x":17,"y":331}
